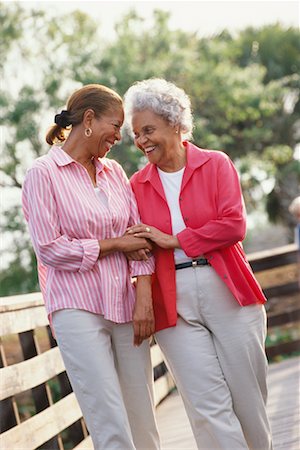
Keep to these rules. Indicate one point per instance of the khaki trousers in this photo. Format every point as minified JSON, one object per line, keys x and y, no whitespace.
{"x":216,"y":355}
{"x":112,"y":379}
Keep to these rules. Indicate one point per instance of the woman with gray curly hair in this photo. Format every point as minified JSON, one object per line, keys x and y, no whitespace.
{"x":208,"y":306}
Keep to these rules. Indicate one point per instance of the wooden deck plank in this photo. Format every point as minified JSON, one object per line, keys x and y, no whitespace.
{"x":173,"y":424}
{"x":283,"y":404}
{"x":283,"y":409}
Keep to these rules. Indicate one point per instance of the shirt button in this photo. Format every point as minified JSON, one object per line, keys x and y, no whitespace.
{"x":180,"y":199}
{"x":117,"y":278}
{"x":185,"y":219}
{"x":225,"y":277}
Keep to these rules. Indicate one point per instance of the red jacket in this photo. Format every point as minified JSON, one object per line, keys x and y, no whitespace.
{"x":213,"y":211}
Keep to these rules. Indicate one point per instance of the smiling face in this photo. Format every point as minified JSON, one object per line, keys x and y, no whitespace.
{"x":156,"y":137}
{"x":106,"y":131}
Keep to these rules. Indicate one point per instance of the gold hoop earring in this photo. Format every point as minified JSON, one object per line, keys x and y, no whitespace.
{"x":88,"y":132}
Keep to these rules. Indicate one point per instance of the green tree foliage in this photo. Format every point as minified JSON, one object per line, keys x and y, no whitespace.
{"x":244,"y":92}
{"x":277,"y":49}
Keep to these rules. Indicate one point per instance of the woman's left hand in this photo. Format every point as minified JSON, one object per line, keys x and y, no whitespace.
{"x":143,"y":321}
{"x":161,"y":239}
{"x":143,"y":314}
{"x":138,"y":255}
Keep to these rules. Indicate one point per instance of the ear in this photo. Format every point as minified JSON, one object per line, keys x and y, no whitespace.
{"x":88,"y":116}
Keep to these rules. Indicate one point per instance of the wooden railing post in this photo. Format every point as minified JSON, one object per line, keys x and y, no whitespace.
{"x":39,"y":393}
{"x":77,"y":431}
{"x":7,"y":412}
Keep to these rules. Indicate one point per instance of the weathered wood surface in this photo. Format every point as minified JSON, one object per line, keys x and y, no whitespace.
{"x":284,"y":404}
{"x":30,"y":373}
{"x":38,"y":429}
{"x":276,"y":269}
{"x":21,"y":320}
{"x":278,"y":276}
{"x":19,"y":316}
{"x":276,"y":257}
{"x":43,"y":426}
{"x":283,"y":409}
{"x":14,"y":302}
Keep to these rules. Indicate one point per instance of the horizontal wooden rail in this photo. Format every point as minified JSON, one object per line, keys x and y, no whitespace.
{"x":43,"y":426}
{"x":283,"y":348}
{"x":20,"y":377}
{"x":291,"y":315}
{"x":278,"y":273}
{"x":277,"y":270}
{"x":276,"y":257}
{"x":20,"y":315}
{"x":23,"y":316}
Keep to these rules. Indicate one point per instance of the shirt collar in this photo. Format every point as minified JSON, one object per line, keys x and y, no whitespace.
{"x":63,"y":159}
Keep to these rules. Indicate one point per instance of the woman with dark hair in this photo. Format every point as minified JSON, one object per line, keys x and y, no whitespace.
{"x":209,"y":313}
{"x":78,"y":205}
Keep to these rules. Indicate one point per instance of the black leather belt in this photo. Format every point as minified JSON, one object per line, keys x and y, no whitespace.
{"x":193,"y":263}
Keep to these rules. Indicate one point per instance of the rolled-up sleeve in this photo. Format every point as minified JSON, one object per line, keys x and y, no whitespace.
{"x":53,"y":248}
{"x":138,"y":268}
{"x":91,"y":251}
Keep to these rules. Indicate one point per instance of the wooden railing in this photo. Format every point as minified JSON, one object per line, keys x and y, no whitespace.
{"x":278,"y":272}
{"x":33,"y":377}
{"x":57,"y":421}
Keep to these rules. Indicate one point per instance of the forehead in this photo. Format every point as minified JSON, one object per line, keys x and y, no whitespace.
{"x":146,"y":118}
{"x":116,"y":114}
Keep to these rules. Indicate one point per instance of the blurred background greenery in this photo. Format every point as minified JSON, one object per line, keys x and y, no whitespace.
{"x":244,"y":89}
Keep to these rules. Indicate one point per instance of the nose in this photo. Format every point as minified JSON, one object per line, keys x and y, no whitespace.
{"x":118,"y":135}
{"x":142,"y":139}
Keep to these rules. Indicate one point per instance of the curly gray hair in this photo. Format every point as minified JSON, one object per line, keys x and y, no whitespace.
{"x":164,"y":99}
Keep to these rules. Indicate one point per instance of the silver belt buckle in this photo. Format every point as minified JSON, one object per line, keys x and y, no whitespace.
{"x":194,"y":264}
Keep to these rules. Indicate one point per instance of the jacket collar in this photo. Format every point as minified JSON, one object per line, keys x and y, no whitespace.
{"x":196,"y":157}
{"x":62,"y":159}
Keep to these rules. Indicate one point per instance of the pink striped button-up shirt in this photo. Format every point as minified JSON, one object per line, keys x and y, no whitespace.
{"x":66,"y":220}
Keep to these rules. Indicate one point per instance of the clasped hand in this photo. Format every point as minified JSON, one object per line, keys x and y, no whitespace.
{"x":161,"y":239}
{"x":136,"y":248}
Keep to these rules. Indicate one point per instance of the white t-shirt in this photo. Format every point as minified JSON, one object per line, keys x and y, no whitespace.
{"x":171,"y":182}
{"x":101,"y":195}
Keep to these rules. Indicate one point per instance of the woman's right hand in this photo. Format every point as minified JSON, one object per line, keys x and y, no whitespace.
{"x":126,"y":244}
{"x":130,"y":243}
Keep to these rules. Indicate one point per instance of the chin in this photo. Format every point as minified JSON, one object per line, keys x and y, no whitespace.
{"x":102,"y":153}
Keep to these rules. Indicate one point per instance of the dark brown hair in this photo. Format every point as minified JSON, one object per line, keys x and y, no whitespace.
{"x":100,"y":99}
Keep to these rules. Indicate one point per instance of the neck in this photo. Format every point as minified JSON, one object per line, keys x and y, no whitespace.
{"x":77,"y":149}
{"x":176,"y":160}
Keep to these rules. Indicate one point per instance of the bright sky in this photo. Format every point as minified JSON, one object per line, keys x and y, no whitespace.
{"x":205,"y":17}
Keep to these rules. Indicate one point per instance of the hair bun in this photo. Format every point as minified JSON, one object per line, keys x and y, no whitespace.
{"x":62,"y":119}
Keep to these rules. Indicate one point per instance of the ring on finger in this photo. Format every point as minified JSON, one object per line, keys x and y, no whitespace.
{"x":148,"y":229}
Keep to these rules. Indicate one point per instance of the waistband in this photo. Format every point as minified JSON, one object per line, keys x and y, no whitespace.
{"x":193,"y":263}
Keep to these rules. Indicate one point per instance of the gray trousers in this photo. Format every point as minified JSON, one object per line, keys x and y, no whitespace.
{"x":112,"y":379}
{"x":216,"y":355}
